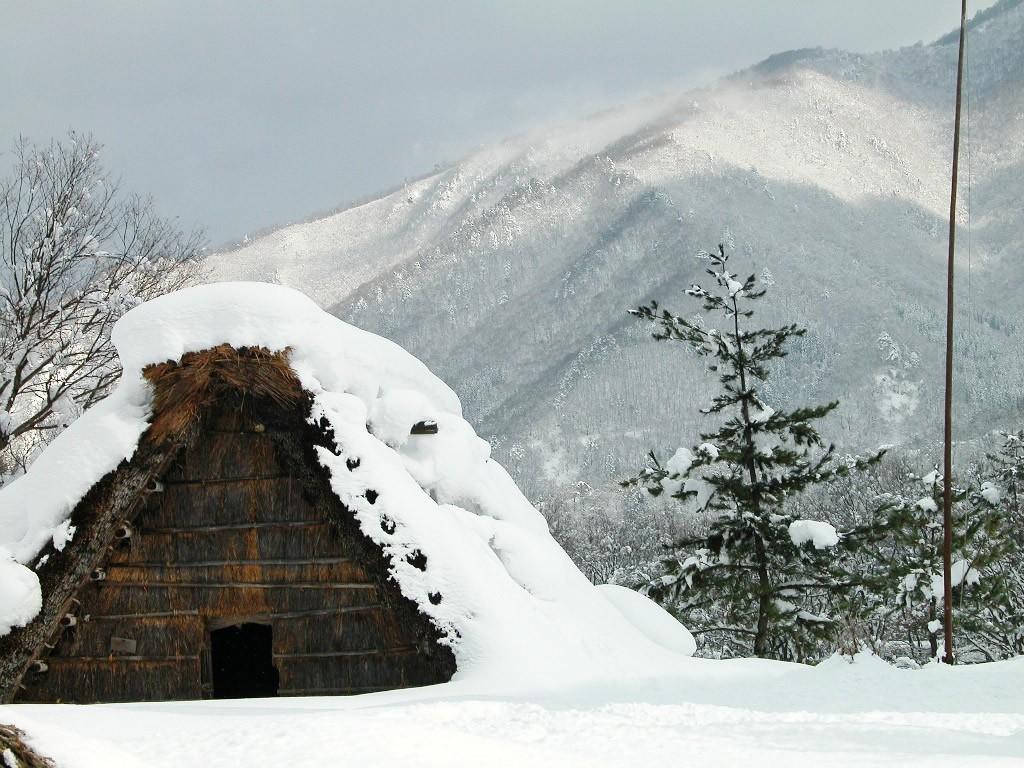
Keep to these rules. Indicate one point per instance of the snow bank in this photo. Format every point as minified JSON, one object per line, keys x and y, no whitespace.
{"x":650,"y":618}
{"x":822,"y":535}
{"x":513,"y":606}
{"x":718,"y":714}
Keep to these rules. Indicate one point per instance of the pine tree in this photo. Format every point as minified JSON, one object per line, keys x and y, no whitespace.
{"x":1007,"y":481}
{"x":757,"y":578}
{"x":1004,"y":489}
{"x":903,"y":543}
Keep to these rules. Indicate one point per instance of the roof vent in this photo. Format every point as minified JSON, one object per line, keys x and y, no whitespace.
{"x":425,"y":427}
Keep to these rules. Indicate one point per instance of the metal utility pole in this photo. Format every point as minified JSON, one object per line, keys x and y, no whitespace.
{"x":947,"y":477}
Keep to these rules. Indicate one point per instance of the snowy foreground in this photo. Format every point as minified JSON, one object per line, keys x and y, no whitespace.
{"x":711,"y":714}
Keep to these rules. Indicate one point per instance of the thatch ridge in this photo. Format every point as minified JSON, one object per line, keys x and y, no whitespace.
{"x":182,"y":390}
{"x":184,"y":393}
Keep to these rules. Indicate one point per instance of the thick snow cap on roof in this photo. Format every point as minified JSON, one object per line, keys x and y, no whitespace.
{"x":513,"y":606}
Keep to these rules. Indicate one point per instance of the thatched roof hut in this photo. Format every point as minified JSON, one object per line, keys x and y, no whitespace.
{"x":274,"y":503}
{"x":218,"y":562}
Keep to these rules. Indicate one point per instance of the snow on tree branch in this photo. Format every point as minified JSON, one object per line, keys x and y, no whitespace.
{"x":75,"y":255}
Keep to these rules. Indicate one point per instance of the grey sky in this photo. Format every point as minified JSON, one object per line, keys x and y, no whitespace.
{"x":239,"y":115}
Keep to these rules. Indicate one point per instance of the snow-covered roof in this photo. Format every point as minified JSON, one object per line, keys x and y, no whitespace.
{"x":514,"y":606}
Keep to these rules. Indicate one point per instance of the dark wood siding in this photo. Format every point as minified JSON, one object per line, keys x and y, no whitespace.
{"x":237,"y":534}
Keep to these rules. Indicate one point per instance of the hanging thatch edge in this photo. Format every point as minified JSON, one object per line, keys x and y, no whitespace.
{"x":13,"y":739}
{"x":61,"y":573}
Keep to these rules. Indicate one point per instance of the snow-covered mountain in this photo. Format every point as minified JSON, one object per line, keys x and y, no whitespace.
{"x":826,"y":172}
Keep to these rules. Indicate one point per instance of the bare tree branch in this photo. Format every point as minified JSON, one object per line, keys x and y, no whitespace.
{"x":75,"y":255}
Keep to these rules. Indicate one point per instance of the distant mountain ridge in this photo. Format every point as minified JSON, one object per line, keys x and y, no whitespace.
{"x":826,"y":172}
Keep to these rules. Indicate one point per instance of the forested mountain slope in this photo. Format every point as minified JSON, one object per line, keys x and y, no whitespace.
{"x":509,"y":273}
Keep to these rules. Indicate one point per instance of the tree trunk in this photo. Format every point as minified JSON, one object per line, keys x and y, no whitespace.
{"x":763,"y":581}
{"x":933,"y":639}
{"x":763,"y":600}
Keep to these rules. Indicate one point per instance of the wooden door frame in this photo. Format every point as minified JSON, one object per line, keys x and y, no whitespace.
{"x":210,"y":625}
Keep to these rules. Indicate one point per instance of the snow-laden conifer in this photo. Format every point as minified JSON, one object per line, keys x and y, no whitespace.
{"x":900,"y":560}
{"x":749,"y":580}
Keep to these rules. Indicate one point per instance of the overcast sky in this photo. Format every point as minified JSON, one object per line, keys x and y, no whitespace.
{"x":239,"y":115}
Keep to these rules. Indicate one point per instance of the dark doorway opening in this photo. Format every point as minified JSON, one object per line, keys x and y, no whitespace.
{"x":243,"y":662}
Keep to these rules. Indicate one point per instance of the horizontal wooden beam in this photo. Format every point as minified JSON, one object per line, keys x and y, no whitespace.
{"x":263,"y":430}
{"x":327,"y":611}
{"x":222,"y":563}
{"x":401,"y":650}
{"x":263,"y":616}
{"x":237,"y":526}
{"x":156,"y":615}
{"x":72,"y":660}
{"x":222,"y":480}
{"x":237,"y":585}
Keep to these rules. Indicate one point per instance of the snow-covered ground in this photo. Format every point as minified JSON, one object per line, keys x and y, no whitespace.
{"x":711,"y":713}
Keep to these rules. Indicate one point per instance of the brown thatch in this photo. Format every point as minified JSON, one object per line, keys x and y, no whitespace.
{"x":223,"y":515}
{"x":13,"y":739}
{"x":183,"y":390}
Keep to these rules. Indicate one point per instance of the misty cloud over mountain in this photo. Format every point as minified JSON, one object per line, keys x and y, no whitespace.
{"x":825,"y":172}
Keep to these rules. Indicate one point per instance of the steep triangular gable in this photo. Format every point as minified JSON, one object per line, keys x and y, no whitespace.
{"x":223,"y":513}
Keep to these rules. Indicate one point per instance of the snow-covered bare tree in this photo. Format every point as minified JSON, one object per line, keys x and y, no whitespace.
{"x":614,"y":538}
{"x":756,"y":578}
{"x":75,"y":254}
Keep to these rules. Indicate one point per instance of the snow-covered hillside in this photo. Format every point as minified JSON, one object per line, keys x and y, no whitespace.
{"x":509,"y":272}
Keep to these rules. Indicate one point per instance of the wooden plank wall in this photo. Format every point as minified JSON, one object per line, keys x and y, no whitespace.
{"x":232,"y":537}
